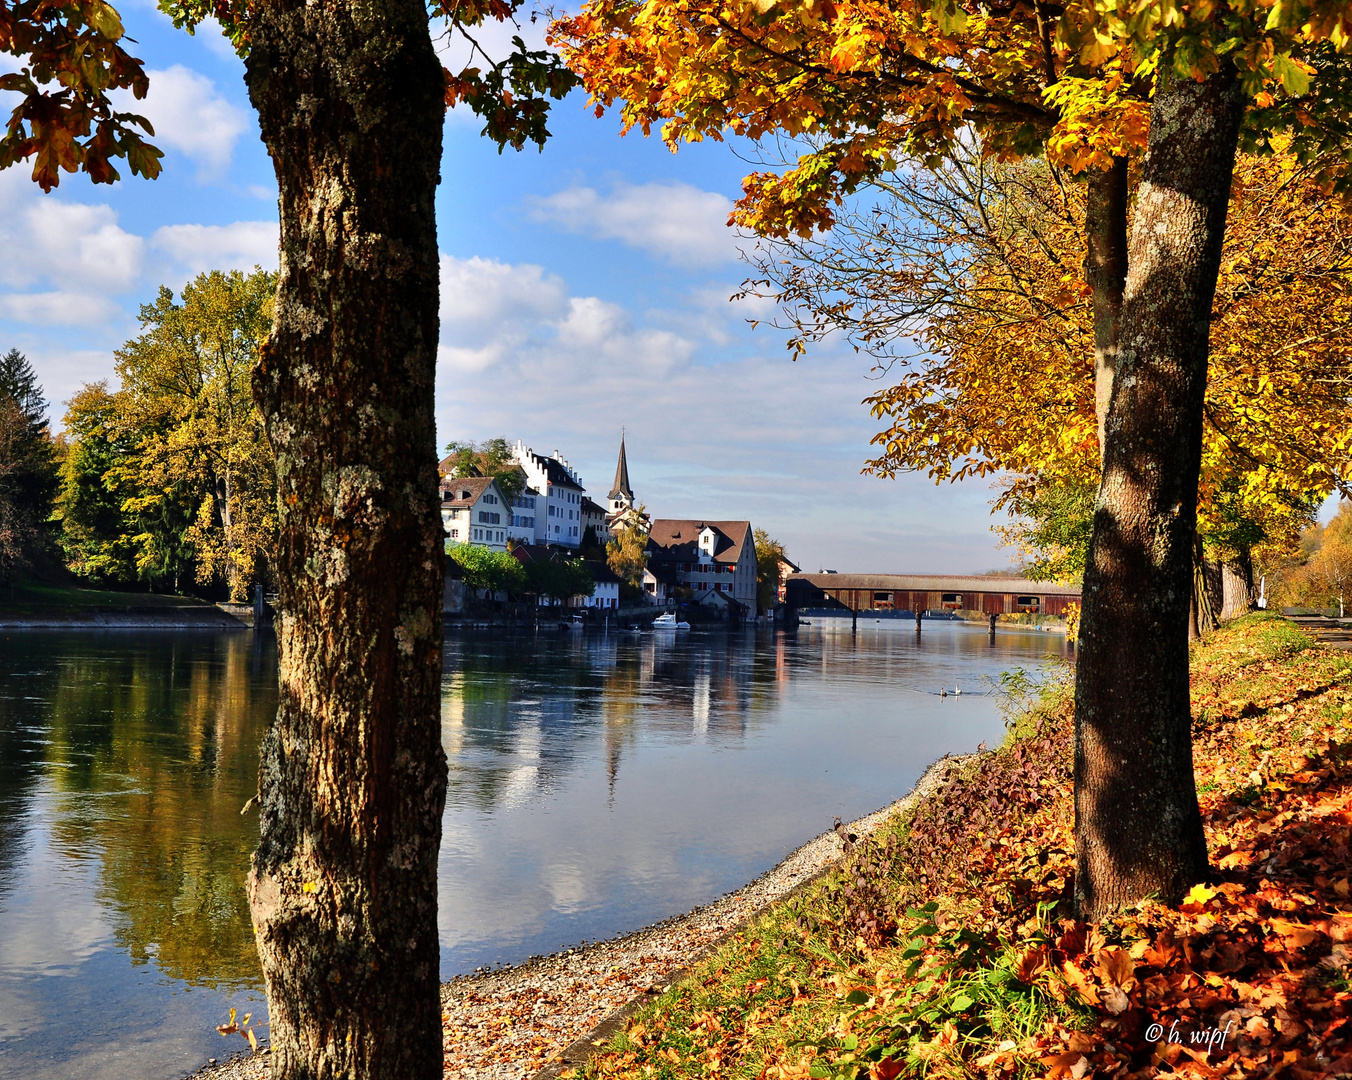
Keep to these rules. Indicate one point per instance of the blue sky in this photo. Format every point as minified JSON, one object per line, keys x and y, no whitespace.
{"x":584,"y":289}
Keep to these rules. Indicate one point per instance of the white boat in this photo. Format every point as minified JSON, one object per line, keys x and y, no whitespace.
{"x":668,"y":622}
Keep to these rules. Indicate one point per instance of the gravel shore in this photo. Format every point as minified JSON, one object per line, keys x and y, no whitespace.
{"x":543,"y":1015}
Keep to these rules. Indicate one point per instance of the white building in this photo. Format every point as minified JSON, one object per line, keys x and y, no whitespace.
{"x":606,"y":592}
{"x":474,"y":511}
{"x":706,"y":557}
{"x":558,"y":493}
{"x":594,"y":518}
{"x":522,"y":527}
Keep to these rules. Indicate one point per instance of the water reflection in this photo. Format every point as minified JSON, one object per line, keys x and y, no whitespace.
{"x":600,"y":782}
{"x":125,"y":765}
{"x":597,"y":783}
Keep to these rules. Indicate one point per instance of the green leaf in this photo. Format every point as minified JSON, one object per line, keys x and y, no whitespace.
{"x":856,"y":997}
{"x":1295,"y":81}
{"x":850,"y":1042}
{"x":961,"y":1003}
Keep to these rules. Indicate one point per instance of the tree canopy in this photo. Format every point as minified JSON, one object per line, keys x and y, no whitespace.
{"x":863,"y":84}
{"x":492,"y":457}
{"x":492,"y":571}
{"x":962,"y":283}
{"x":171,"y":479}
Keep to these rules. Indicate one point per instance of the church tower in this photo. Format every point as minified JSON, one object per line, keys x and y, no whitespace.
{"x":621,"y":496}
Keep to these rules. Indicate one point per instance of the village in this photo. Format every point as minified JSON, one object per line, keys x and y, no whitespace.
{"x":593,"y":557}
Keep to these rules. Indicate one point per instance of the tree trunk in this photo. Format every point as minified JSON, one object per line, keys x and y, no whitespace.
{"x":1105,"y":272}
{"x":1138,"y":829}
{"x":343,"y":886}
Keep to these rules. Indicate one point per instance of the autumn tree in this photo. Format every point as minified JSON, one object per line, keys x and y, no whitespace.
{"x":962,"y":284}
{"x":1089,"y":85}
{"x":627,"y":550}
{"x":1324,"y":578}
{"x":186,"y":392}
{"x":27,"y":467}
{"x":351,"y":101}
{"x":770,"y":562}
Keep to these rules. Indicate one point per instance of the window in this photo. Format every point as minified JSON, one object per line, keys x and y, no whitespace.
{"x":1028,"y":603}
{"x":487,"y":518}
{"x":952,"y":601}
{"x":455,"y":534}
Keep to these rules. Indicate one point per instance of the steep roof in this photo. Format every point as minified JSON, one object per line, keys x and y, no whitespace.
{"x":679,"y":537}
{"x":556,"y":473}
{"x":558,"y":476}
{"x":621,"y":485}
{"x":463,"y":491}
{"x":589,"y":507}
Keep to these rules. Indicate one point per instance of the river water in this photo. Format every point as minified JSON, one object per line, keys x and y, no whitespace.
{"x":597,"y":783}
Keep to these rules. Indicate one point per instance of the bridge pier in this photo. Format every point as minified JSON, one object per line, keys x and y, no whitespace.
{"x":918,"y":613}
{"x":992,"y":626}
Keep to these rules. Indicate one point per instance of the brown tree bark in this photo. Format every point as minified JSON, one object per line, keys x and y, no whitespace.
{"x":1138,"y":829}
{"x":1105,"y":272}
{"x":353,"y":777}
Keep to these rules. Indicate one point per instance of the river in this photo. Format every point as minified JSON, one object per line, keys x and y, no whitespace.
{"x":598,"y":783}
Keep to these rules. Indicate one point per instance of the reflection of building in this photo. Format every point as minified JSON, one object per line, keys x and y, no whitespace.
{"x":558,"y":493}
{"x":715,"y":560}
{"x":475,"y":511}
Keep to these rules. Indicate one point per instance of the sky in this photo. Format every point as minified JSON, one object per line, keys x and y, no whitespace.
{"x":585,"y":290}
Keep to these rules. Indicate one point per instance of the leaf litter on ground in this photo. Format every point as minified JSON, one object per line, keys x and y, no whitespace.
{"x":944,"y":944}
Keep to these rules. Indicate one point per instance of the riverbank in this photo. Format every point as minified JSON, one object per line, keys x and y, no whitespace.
{"x":34,"y":605}
{"x":945,"y":945}
{"x":511,"y":1023}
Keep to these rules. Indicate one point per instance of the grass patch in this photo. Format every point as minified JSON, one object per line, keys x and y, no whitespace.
{"x":27,"y":596}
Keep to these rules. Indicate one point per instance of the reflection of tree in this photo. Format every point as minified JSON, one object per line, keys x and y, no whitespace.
{"x":23,"y":685}
{"x":167,"y":733}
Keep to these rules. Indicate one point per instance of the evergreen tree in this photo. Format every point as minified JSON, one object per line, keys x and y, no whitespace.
{"x":27,"y":468}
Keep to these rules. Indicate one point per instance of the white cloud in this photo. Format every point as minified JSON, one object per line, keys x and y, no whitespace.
{"x":241,"y":245}
{"x":676,"y":221}
{"x":59,"y":309}
{"x":70,"y":244}
{"x":190,"y":115}
{"x":721,"y":423}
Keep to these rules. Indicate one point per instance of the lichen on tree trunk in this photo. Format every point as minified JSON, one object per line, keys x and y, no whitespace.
{"x":1138,"y":828}
{"x":353,"y":777}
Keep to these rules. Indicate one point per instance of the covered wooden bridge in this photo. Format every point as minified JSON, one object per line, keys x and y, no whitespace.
{"x":919,"y":593}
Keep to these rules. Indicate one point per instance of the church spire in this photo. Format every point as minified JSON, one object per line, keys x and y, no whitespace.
{"x":621,"y":487}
